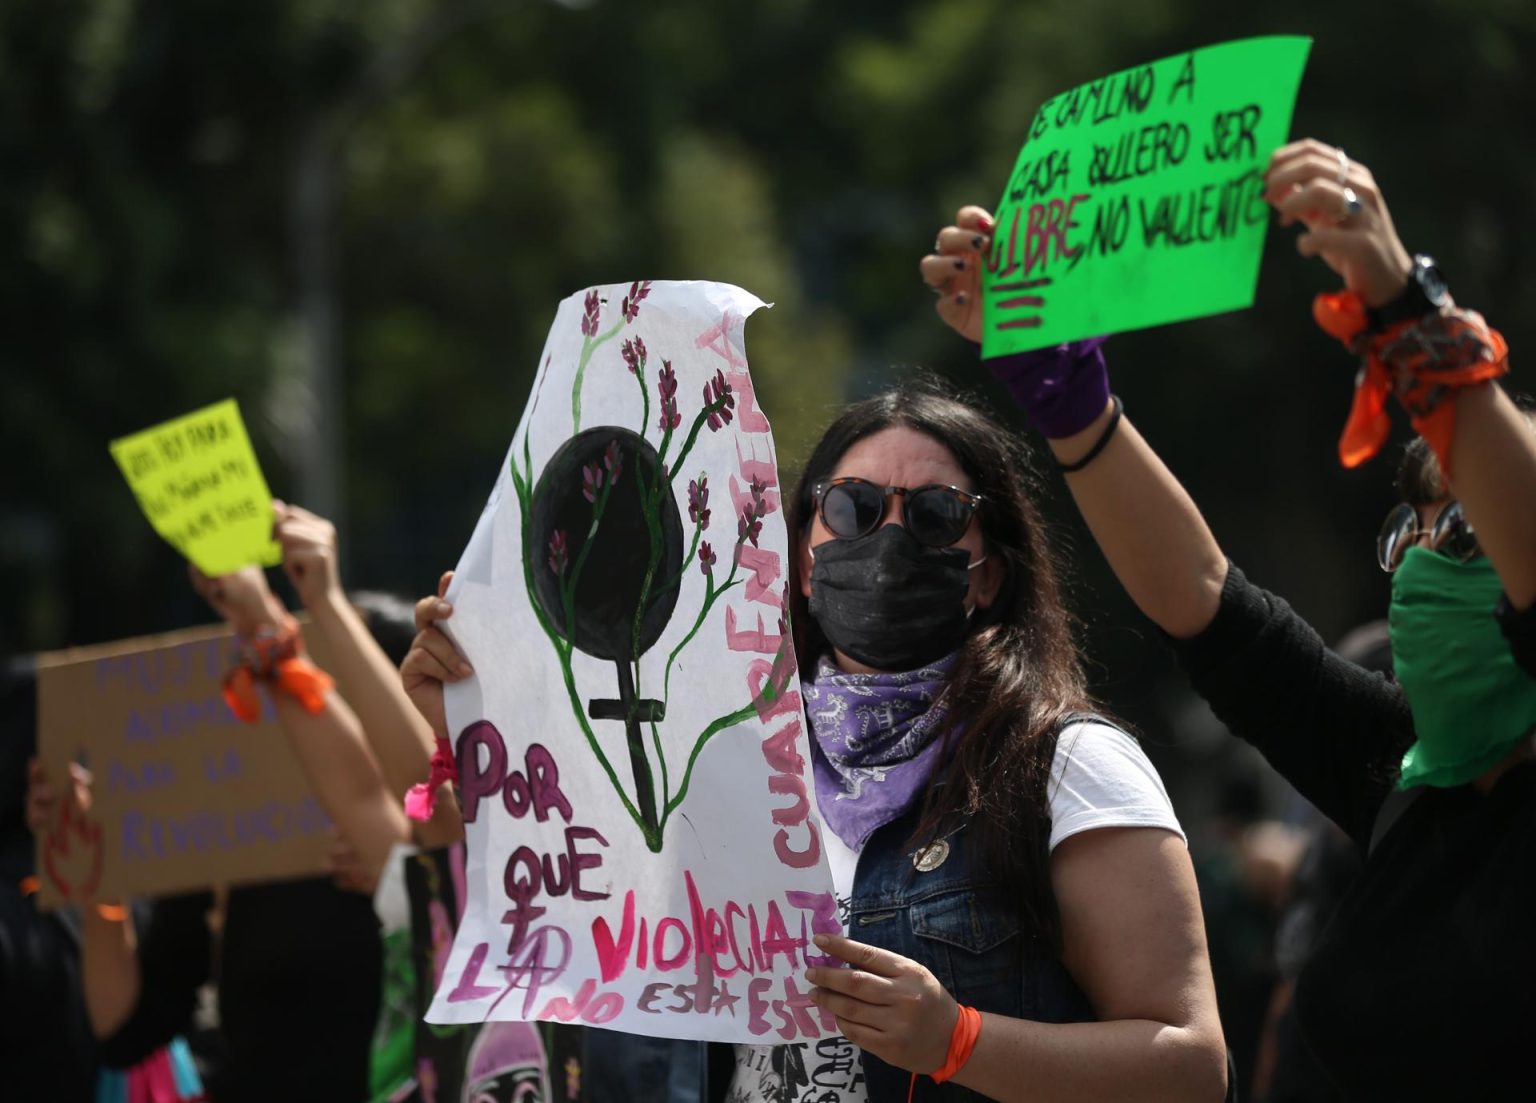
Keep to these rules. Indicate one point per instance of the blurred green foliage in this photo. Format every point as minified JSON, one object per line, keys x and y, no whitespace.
{"x":490,"y":158}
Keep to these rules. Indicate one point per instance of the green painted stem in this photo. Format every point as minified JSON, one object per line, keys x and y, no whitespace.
{"x":715,"y":727}
{"x":563,"y":652}
{"x":589,"y":345}
{"x":693,"y":435}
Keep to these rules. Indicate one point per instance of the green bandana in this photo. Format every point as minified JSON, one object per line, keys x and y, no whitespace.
{"x":1471,"y":704}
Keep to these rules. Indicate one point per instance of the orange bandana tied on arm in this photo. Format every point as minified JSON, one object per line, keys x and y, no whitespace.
{"x":1423,"y":361}
{"x":276,"y":658}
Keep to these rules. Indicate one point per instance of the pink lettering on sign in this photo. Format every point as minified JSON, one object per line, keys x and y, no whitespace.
{"x":741,"y":492}
{"x":765,"y":472}
{"x":528,"y":875}
{"x":752,"y":419}
{"x":764,"y":566}
{"x":724,"y":939}
{"x":717,"y":339}
{"x":797,"y":842}
{"x":757,"y":639}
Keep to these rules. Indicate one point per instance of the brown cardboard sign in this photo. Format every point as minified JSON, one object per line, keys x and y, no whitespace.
{"x":185,"y":796}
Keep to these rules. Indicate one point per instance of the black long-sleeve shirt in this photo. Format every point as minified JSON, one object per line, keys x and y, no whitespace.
{"x":1423,"y":984}
{"x":299,"y":972}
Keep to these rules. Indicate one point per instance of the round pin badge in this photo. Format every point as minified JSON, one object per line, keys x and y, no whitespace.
{"x":931,"y":857}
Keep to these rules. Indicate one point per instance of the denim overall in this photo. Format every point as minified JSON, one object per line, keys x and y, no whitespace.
{"x":963,"y":924}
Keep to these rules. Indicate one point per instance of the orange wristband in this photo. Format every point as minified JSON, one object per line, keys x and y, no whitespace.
{"x":112,"y":913}
{"x":1423,"y":362}
{"x":276,"y":658}
{"x":961,"y":1043}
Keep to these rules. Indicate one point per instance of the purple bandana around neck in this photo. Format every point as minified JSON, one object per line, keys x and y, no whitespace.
{"x":875,"y":745}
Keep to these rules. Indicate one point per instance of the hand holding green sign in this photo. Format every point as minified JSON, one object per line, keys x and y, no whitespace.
{"x":1138,"y":199}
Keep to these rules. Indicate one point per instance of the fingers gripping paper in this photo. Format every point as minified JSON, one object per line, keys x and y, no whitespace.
{"x":633,"y":764}
{"x":1138,"y":199}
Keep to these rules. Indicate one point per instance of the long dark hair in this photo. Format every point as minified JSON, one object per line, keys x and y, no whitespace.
{"x":1020,"y":673}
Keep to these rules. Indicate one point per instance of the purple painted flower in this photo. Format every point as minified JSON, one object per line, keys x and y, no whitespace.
{"x":666,"y":386}
{"x":558,"y":558}
{"x":719,"y":401}
{"x":749,"y":526}
{"x":706,"y":557}
{"x":591,"y":481}
{"x":613,"y":461}
{"x":589,"y":313}
{"x":698,"y":501}
{"x":634,"y":356}
{"x":630,"y":305}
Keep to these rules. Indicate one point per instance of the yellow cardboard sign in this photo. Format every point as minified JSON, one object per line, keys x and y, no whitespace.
{"x":198,"y":482}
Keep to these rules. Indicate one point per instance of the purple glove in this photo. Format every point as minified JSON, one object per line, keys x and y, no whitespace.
{"x":1061,"y":389}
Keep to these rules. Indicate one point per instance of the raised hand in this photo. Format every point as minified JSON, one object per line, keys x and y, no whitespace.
{"x":309,"y":553}
{"x":1313,"y":183}
{"x":432,"y":660}
{"x":71,"y":836}
{"x":953,"y":270}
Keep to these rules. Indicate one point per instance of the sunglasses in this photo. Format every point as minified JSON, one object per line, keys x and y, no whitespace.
{"x":935,"y":515}
{"x":1450,"y":535}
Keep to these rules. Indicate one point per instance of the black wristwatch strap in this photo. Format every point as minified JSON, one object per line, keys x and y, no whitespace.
{"x":1424,"y":294}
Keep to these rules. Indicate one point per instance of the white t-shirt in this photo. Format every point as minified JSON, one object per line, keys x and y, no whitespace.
{"x":1100,"y":777}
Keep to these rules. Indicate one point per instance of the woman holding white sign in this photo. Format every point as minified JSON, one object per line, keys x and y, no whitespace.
{"x":1017,"y":884}
{"x":1420,"y":986}
{"x":1009,"y":864}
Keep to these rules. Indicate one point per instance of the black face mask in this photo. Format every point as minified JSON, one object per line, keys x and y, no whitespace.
{"x":886,"y":601}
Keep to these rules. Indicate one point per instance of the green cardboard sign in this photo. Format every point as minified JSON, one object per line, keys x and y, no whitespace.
{"x":1138,"y":199}
{"x":198,"y":482}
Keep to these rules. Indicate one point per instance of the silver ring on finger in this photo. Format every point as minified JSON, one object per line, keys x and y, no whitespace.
{"x":1352,"y":204}
{"x":1343,"y":167}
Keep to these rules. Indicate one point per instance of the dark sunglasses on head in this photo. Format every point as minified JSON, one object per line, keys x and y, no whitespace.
{"x":1450,"y":535}
{"x":935,"y":515}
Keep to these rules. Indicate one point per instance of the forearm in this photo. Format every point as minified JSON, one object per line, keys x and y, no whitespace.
{"x":399,"y":737}
{"x":1149,"y":529}
{"x":1493,"y":460}
{"x":1128,"y":1059}
{"x":109,"y":968}
{"x":346,"y":778}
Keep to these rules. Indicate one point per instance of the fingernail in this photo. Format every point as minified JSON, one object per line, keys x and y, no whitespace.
{"x":960,"y":263}
{"x":822,"y":941}
{"x":465,"y":669}
{"x":445,"y":608}
{"x":987,"y":223}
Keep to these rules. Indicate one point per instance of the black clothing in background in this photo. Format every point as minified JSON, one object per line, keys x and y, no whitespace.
{"x":1423,"y":985}
{"x":1328,"y":868}
{"x":299,"y":974}
{"x":46,"y":1048}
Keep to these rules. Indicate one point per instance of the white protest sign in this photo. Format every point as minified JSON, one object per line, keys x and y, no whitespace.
{"x":644,"y":852}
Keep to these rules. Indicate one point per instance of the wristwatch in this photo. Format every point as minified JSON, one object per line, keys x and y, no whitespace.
{"x":1425,"y":293}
